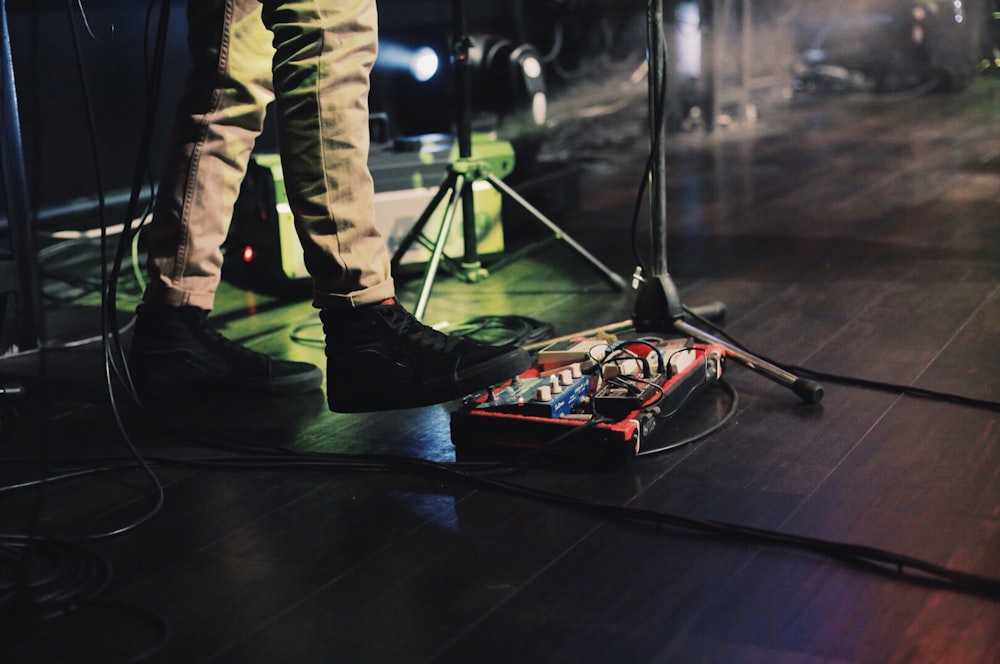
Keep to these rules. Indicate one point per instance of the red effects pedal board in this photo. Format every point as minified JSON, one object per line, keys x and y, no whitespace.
{"x":586,"y":401}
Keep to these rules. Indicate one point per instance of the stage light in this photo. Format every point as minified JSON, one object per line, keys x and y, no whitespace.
{"x":508,"y":83}
{"x":422,"y":63}
{"x":509,"y":78}
{"x":531,"y":67}
{"x":414,"y":87}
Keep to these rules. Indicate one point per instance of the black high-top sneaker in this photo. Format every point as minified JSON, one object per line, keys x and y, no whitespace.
{"x":379,"y":357}
{"x":175,"y":353}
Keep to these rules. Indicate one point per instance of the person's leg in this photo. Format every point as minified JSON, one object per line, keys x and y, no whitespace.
{"x":378,"y":356}
{"x":220,"y":115}
{"x":324,"y":52}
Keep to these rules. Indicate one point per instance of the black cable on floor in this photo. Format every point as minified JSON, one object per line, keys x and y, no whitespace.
{"x":894,"y":565}
{"x":893,"y":388}
{"x":45,"y":577}
{"x":891,"y":564}
{"x":734,"y":402}
{"x":499,"y":330}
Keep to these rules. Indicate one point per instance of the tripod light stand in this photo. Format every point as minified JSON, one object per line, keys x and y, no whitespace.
{"x":658,"y":306}
{"x":457,"y":187}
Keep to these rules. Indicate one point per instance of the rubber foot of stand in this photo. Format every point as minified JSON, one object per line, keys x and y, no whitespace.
{"x":474,"y":273}
{"x":808,"y":390}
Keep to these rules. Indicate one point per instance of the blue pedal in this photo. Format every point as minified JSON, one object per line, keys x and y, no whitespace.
{"x":538,"y":397}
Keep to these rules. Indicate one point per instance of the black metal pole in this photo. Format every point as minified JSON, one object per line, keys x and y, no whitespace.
{"x":657,"y":128}
{"x":18,"y":207}
{"x":657,"y":302}
{"x":463,"y":120}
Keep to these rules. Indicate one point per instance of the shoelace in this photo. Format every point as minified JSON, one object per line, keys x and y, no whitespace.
{"x":423,"y":335}
{"x":216,"y":339}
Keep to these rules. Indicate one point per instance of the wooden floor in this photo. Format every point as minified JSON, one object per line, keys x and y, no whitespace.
{"x":857,"y":236}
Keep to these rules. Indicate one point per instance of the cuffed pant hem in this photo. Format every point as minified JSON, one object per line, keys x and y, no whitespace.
{"x":372,"y":295}
{"x":174,"y":297}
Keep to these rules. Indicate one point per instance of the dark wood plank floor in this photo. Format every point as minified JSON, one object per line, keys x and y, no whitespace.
{"x":857,"y":236}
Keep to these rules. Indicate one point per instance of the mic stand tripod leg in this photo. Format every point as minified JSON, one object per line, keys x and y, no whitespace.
{"x":658,"y":308}
{"x":808,"y":390}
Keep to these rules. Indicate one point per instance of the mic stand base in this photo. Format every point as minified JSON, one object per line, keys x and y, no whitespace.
{"x":658,"y":309}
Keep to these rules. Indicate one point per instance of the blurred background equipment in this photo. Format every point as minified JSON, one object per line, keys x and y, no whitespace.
{"x":890,"y":46}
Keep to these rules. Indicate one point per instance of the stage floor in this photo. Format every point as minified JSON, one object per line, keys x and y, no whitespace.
{"x":856,"y":236}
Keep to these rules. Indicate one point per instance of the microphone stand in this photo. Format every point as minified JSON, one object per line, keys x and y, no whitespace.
{"x":658,"y":306}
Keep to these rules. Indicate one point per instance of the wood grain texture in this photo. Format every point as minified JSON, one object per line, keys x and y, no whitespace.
{"x":852,"y":237}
